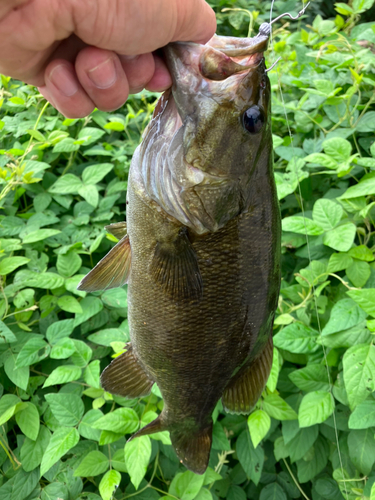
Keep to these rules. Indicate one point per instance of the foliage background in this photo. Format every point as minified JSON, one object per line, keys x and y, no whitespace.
{"x":62,"y":180}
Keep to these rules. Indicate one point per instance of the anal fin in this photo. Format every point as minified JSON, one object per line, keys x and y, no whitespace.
{"x":112,"y":271}
{"x":175,"y":268}
{"x":246,"y":387}
{"x":125,"y":377}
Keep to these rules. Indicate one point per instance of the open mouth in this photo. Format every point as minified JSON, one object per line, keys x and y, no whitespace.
{"x":224,"y":57}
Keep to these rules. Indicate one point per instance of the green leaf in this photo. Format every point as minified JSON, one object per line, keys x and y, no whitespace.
{"x":90,"y":307}
{"x":272,"y":491}
{"x":186,"y":485}
{"x":106,"y":337}
{"x":367,"y":122}
{"x":19,"y":376}
{"x":259,"y":424}
{"x":277,"y":408}
{"x":358,"y":273}
{"x":301,"y":225}
{"x":315,"y":408}
{"x":121,"y":421}
{"x":85,"y":427}
{"x":93,"y":464}
{"x":359,"y":373}
{"x":28,"y":421}
{"x":48,"y":281}
{"x":297,"y":338}
{"x":299,"y":444}
{"x":115,"y":297}
{"x":251,"y":459}
{"x":365,"y":299}
{"x":62,"y":440}
{"x":63,"y":374}
{"x":68,"y":409}
{"x":9,"y":264}
{"x":32,"y":352}
{"x":32,"y":451}
{"x":109,"y":484}
{"x":40,"y":234}
{"x":337,"y":148}
{"x":308,"y":469}
{"x":362,"y":449}
{"x":6,"y":335}
{"x":68,"y":264}
{"x":59,"y":330}
{"x":363,"y":415}
{"x":327,"y":213}
{"x":66,"y":184}
{"x":137,"y":456}
{"x":90,"y":135}
{"x":95,"y":173}
{"x":90,"y":194}
{"x":341,"y":238}
{"x":361,"y":252}
{"x":82,"y":355}
{"x":310,"y":378}
{"x":63,"y":348}
{"x":365,"y":187}
{"x":345,"y":314}
{"x":92,"y":374}
{"x":69,"y":304}
{"x":66,"y":146}
{"x":275,"y":368}
{"x":8,"y":405}
{"x":322,"y":160}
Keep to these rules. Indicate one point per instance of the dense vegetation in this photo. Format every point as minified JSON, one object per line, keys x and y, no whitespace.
{"x":62,"y":180}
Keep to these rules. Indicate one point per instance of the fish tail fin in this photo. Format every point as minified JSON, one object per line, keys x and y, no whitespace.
{"x":193,"y":447}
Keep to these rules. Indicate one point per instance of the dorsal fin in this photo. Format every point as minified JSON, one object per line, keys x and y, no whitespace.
{"x":118,"y":229}
{"x":246,"y":387}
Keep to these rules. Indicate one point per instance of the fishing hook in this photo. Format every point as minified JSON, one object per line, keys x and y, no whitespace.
{"x":265,"y":28}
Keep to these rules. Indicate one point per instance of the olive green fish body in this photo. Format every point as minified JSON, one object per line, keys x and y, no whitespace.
{"x":202,"y":249}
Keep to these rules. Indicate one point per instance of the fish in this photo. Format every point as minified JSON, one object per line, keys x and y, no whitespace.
{"x":200,"y":249}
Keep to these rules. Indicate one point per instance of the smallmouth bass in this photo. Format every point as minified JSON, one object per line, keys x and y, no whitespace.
{"x":200,"y":250}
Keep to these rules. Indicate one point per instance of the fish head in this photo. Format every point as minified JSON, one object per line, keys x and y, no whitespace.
{"x":221,"y":93}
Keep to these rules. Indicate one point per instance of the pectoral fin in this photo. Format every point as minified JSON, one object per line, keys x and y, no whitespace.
{"x":175,"y":267}
{"x":112,"y":271}
{"x":118,"y":229}
{"x":125,"y":377}
{"x":246,"y":387}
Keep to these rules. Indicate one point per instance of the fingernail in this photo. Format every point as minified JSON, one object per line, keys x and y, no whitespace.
{"x":103,"y":75}
{"x":63,"y":79}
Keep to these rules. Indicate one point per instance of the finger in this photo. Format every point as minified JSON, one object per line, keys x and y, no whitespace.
{"x":143,"y":26}
{"x":65,"y":91}
{"x":139,"y":70}
{"x":102,"y":77}
{"x":161,"y":79}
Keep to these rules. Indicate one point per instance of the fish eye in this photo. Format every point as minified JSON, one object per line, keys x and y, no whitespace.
{"x":253,"y":119}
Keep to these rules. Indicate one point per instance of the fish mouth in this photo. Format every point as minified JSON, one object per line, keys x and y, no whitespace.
{"x":220,"y":58}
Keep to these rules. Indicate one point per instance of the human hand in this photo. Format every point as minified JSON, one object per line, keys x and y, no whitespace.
{"x":84,"y":54}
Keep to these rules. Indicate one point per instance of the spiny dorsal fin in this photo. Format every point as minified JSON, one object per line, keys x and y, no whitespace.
{"x":112,"y":271}
{"x":244,"y":390}
{"x":125,"y":377}
{"x":193,"y":447}
{"x":118,"y":229}
{"x":175,"y":267}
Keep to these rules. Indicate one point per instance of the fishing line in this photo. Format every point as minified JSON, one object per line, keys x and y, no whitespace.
{"x":294,"y":158}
